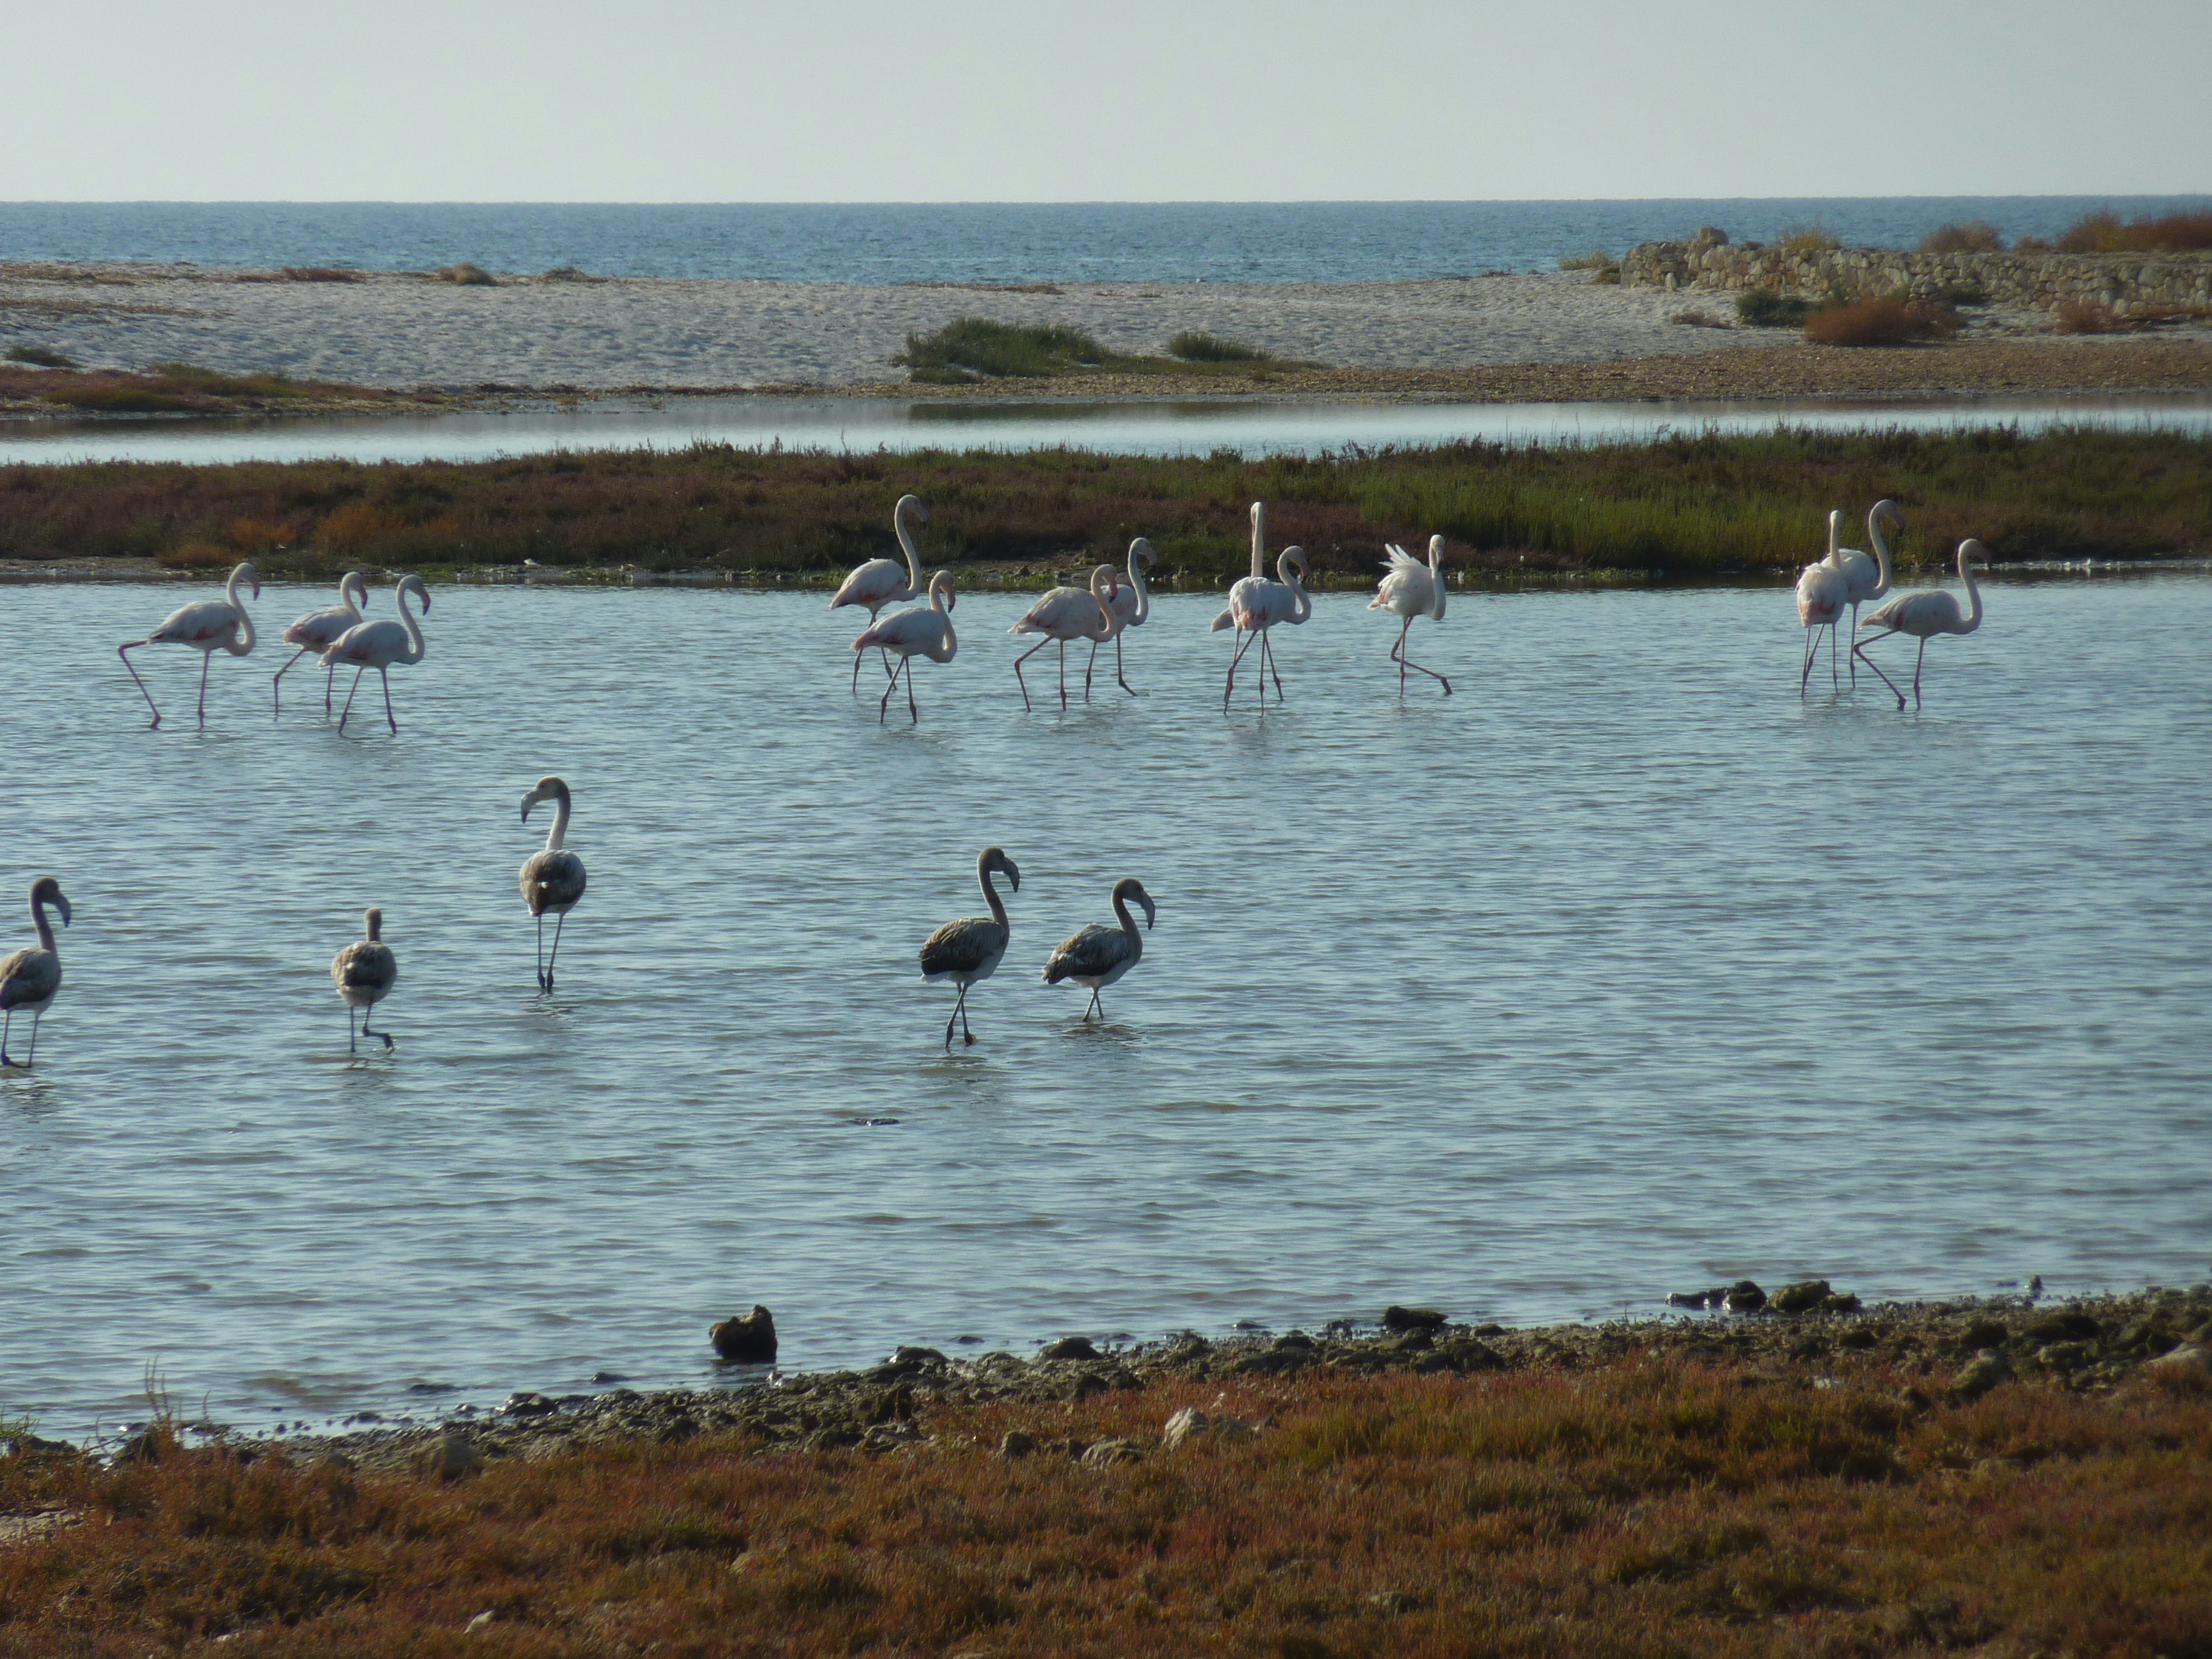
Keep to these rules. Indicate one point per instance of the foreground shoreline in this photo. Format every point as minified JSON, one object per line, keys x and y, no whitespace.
{"x":1997,"y":1474}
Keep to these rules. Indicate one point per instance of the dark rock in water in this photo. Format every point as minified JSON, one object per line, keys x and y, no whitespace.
{"x":2063,"y":1325}
{"x":528,"y":1405}
{"x":1490,"y":1330}
{"x":750,"y":1340}
{"x":918,"y":1356}
{"x":1395,"y":1318}
{"x":1296,"y":1342}
{"x":1984,"y":1372}
{"x":600,"y":1379}
{"x":1745,"y":1296}
{"x":1844,"y":1303}
{"x":1068,"y":1347}
{"x":1686,"y":1298}
{"x":1016,"y":1445}
{"x":2034,"y":1286}
{"x":1802,"y":1297}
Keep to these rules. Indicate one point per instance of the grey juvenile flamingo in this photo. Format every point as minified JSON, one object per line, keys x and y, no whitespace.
{"x":971,"y":949}
{"x":1097,"y":956}
{"x":552,"y":880}
{"x":363,"y":973}
{"x":29,"y":979}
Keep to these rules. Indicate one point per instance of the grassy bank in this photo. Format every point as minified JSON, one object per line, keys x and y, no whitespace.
{"x":1880,"y":1483}
{"x":1680,"y":509}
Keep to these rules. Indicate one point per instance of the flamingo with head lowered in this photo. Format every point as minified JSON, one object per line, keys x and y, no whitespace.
{"x":378,"y":645}
{"x":1065,"y":614}
{"x":1132,"y":606}
{"x":208,"y":626}
{"x":1256,"y":604}
{"x":1925,"y":615}
{"x":921,"y":632}
{"x":318,"y":630}
{"x":1411,"y":591}
{"x":1822,"y":596}
{"x":880,"y":582}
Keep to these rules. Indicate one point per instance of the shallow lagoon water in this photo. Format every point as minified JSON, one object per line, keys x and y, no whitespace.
{"x":1249,"y":426}
{"x":1621,"y":970}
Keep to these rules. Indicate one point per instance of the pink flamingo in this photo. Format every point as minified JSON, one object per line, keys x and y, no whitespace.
{"x":921,"y":632}
{"x":880,"y":582}
{"x":378,"y":645}
{"x":207,"y":626}
{"x":1925,"y":615}
{"x":1823,"y":591}
{"x":1411,"y":591}
{"x":1065,"y":614}
{"x":1256,"y":604}
{"x":318,"y":630}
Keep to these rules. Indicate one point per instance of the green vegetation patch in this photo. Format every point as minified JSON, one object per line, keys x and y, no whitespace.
{"x":1762,"y":307}
{"x":969,"y":349}
{"x":38,"y":357}
{"x":1193,"y":346}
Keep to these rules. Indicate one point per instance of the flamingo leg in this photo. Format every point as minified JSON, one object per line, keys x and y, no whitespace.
{"x":365,"y":1031}
{"x":384,"y":674}
{"x":557,"y":922}
{"x":350,"y":1048}
{"x":357,"y":673}
{"x":1094,"y":1004}
{"x":1858,"y":649}
{"x":1093,"y":663}
{"x":1118,"y":675}
{"x":884,"y":709}
{"x":1852,"y":661}
{"x":1398,"y":656}
{"x":1834,"y":683}
{"x":1063,"y":677}
{"x":1406,"y":662}
{"x":277,"y":682}
{"x":912,"y":713}
{"x":541,"y":949}
{"x":857,"y":657}
{"x":1812,"y":647}
{"x":1268,"y":659}
{"x":330,"y":681}
{"x":124,"y":652}
{"x":31,"y":1059}
{"x":1243,"y":644}
{"x":1019,"y":661}
{"x":207,"y":661}
{"x":7,"y":1024}
{"x":1916,"y":663}
{"x":967,"y":1035}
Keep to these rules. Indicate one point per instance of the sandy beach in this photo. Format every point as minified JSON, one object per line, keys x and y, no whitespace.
{"x":1434,"y":339}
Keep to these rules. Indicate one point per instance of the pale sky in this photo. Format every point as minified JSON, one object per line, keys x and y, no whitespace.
{"x":826,"y":100}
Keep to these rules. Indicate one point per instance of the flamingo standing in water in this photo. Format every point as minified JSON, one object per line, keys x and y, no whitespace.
{"x":29,"y":979}
{"x":1131,"y":606}
{"x":880,"y":582}
{"x":1065,"y":614}
{"x":1256,"y":604}
{"x":1867,"y":580}
{"x":553,"y":879}
{"x":970,"y":950}
{"x":1925,"y":615}
{"x":364,"y":973}
{"x":207,"y":626}
{"x":318,"y":631}
{"x":1411,"y":591}
{"x":921,"y":632}
{"x":1097,"y":955}
{"x":1822,"y":596}
{"x":378,"y":645}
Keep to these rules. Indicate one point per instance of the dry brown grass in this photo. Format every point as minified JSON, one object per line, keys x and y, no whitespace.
{"x":1640,"y":1508}
{"x":1879,"y":322}
{"x":2106,"y":232}
{"x":1972,"y":236}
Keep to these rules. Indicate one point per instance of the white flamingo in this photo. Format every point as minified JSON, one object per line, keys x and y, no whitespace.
{"x":1865,"y":579}
{"x":880,"y":582}
{"x":29,"y":979}
{"x":921,"y":632}
{"x":1822,"y":596}
{"x":207,"y":626}
{"x":553,"y":879}
{"x":1411,"y":590}
{"x":970,"y":950}
{"x":318,"y":630}
{"x":1132,"y":606}
{"x":364,"y":973}
{"x":1925,"y":615}
{"x":378,"y":645}
{"x":1256,"y":604}
{"x":1097,"y":955}
{"x":1065,"y":614}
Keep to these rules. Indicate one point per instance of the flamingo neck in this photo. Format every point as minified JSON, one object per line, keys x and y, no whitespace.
{"x":1835,"y":539}
{"x":414,"y":634}
{"x":45,"y":928}
{"x":242,"y":639}
{"x":1144,"y":593}
{"x":1259,"y":541}
{"x":990,"y":894}
{"x":559,"y":832}
{"x":1973,"y":594}
{"x":914,"y":581}
{"x":1129,"y":921}
{"x":1287,"y":567}
{"x":1436,"y":574}
{"x":1102,"y":591}
{"x":1881,"y":551}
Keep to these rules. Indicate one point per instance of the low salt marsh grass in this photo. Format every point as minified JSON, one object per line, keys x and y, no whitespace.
{"x":1687,"y":508}
{"x":977,"y":348}
{"x":1194,"y":346}
{"x":166,"y":388}
{"x":1639,"y":1507}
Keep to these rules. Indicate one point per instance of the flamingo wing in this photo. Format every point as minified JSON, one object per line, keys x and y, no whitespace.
{"x":874,"y":583}
{"x":364,"y":965}
{"x":28,"y":976}
{"x":552,"y":881}
{"x":1094,"y":952}
{"x":196,"y":625}
{"x":965,"y":946}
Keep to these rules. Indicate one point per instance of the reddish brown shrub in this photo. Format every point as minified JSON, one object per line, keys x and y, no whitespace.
{"x":1885,"y":321}
{"x":1974,"y":236}
{"x":2088,"y":317}
{"x":2105,"y":233}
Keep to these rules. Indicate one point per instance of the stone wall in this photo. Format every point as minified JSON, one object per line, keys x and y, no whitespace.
{"x":2125,"y":281}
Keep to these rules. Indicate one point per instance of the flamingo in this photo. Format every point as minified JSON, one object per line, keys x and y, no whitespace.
{"x":880,"y":582}
{"x":1132,"y":606}
{"x":1411,"y":591}
{"x":1867,"y":580}
{"x":206,"y":626}
{"x":552,"y":880}
{"x":1923,"y":615}
{"x":1821,"y":599}
{"x":363,"y":973}
{"x":971,"y":949}
{"x":1255,"y":605}
{"x":318,"y":630}
{"x":921,"y":632}
{"x":378,"y":645}
{"x":1065,"y":614}
{"x":29,"y":979}
{"x":1097,"y":956}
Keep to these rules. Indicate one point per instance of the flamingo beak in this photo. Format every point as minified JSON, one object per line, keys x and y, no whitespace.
{"x":62,"y":905}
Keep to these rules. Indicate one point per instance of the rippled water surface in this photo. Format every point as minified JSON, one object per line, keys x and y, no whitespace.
{"x":1621,"y":970}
